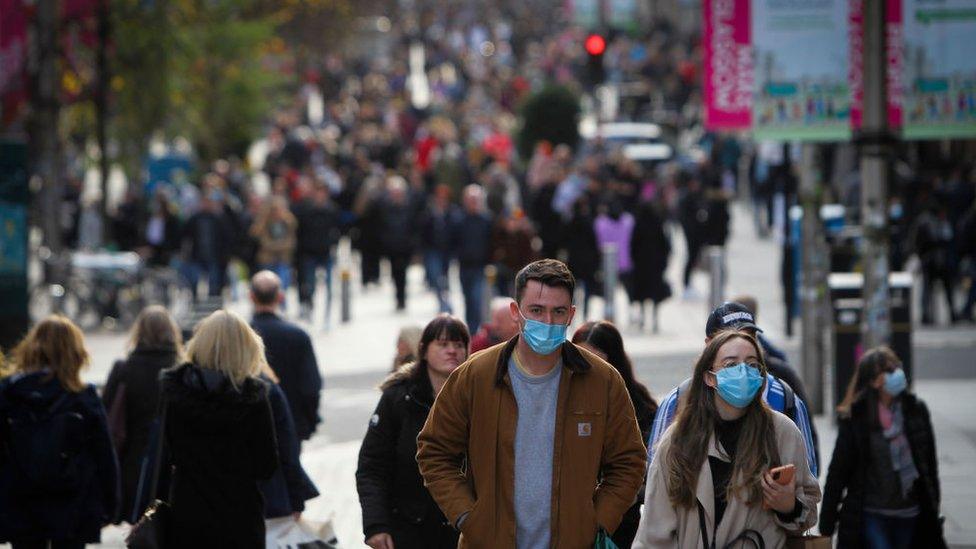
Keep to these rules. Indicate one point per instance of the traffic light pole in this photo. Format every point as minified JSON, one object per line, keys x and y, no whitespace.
{"x":876,"y":327}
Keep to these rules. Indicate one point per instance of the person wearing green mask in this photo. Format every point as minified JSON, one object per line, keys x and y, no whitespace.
{"x":544,"y":432}
{"x":882,"y":487}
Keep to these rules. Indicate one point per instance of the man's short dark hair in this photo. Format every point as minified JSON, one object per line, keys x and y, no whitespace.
{"x":549,"y":272}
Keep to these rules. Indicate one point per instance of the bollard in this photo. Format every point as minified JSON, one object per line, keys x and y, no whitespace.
{"x":609,"y":252}
{"x":488,"y":292}
{"x":716,"y":275}
{"x":345,"y":295}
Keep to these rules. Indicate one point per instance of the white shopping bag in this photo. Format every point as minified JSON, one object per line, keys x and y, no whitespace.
{"x":288,"y":533}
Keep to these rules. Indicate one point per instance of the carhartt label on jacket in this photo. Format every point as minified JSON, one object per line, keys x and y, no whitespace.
{"x":584,"y":429}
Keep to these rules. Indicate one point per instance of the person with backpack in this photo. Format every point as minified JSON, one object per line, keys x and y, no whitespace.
{"x":777,"y":393}
{"x":59,"y":479}
{"x":131,"y":397}
{"x":882,"y":488}
{"x":718,"y":480}
{"x":398,"y":511}
{"x":219,"y":437}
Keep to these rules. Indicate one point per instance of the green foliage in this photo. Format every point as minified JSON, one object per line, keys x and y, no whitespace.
{"x":220,"y":89}
{"x":192,"y":69}
{"x":551,"y":114}
{"x":141,"y":77}
{"x":212,"y":71}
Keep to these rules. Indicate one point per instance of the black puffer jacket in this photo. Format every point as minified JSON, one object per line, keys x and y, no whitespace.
{"x":221,"y":441}
{"x":391,"y":491}
{"x":849,"y":468}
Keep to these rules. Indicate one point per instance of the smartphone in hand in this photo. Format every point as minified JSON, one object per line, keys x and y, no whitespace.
{"x":784,"y":473}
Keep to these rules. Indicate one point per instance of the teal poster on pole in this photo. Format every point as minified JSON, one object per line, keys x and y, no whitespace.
{"x":939,"y":69}
{"x":801,"y":70}
{"x":13,"y":239}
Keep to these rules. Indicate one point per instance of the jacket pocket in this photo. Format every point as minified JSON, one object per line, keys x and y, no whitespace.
{"x":469,"y":526}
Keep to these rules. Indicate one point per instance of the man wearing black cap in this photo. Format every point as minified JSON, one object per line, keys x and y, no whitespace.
{"x":776,"y":360}
{"x":739,"y":316}
{"x":778,"y":394}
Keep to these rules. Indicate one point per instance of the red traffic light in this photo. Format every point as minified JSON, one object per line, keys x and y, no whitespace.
{"x":595,"y":44}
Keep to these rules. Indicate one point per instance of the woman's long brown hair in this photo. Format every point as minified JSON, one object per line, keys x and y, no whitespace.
{"x":58,"y":345}
{"x":756,"y":449}
{"x":873,"y":363}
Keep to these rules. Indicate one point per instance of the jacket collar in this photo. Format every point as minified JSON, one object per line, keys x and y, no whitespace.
{"x":572,"y":359}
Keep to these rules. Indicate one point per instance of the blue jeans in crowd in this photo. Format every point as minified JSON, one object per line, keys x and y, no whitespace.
{"x":473,"y":287}
{"x":282,"y":269}
{"x":306,"y":287}
{"x":882,"y":532}
{"x":215,"y":272}
{"x":436,"y":264}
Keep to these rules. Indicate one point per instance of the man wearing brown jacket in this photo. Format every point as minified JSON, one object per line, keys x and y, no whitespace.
{"x":533,"y":443}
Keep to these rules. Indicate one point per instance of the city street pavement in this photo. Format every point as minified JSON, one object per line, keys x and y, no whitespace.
{"x":355,"y":357}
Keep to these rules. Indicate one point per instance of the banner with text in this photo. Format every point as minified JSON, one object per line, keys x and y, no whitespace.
{"x":728,"y":65}
{"x":793,"y":69}
{"x":939,"y":69}
{"x":801,"y":75}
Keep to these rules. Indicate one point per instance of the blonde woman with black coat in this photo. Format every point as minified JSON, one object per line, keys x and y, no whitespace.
{"x":219,"y":436}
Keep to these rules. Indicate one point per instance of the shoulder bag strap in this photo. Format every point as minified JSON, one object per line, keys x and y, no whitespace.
{"x":749,"y":535}
{"x":789,"y":401}
{"x":703,"y":528}
{"x":57,"y":403}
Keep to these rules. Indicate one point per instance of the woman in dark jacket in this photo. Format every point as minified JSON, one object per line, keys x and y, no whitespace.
{"x":604,"y":340}
{"x":583,"y":253}
{"x":220,"y":438}
{"x":286,"y":492}
{"x":131,"y":397}
{"x":397,"y":509}
{"x":650,"y":249}
{"x":58,"y":474}
{"x":884,"y":475}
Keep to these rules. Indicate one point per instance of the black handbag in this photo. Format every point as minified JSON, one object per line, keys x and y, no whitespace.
{"x":150,"y":532}
{"x":748,"y":535}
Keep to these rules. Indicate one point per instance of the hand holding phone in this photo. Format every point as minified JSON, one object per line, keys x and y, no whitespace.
{"x":784,"y":473}
{"x":779,"y":488}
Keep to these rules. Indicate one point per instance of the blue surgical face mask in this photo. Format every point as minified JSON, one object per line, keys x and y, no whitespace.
{"x":543,"y":338}
{"x":895,"y":382}
{"x":738,"y":384}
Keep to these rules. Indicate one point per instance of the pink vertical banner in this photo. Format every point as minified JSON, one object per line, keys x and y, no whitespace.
{"x":728,"y":64}
{"x":855,"y":68}
{"x":895,"y":55}
{"x":895,"y":44}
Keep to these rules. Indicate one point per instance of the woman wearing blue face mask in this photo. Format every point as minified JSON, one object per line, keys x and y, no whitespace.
{"x":885,"y":461}
{"x":710,"y":480}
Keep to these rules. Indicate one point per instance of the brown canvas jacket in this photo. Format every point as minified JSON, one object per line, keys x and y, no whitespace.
{"x":466,"y":450}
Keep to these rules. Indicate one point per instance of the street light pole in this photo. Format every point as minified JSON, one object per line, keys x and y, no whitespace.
{"x":813,"y":280}
{"x":876,"y":327}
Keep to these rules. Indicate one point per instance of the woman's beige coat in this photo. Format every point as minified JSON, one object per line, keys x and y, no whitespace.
{"x":663,"y":525}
